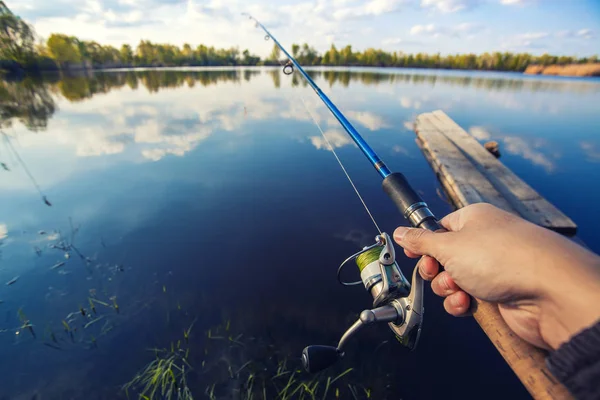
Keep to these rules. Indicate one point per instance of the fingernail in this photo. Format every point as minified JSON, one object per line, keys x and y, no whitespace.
{"x":399,"y":233}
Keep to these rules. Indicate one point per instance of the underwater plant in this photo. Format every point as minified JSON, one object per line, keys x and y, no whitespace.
{"x":164,"y":377}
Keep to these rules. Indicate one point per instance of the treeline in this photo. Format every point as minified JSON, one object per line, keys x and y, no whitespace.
{"x":17,"y":47}
{"x":32,"y":99}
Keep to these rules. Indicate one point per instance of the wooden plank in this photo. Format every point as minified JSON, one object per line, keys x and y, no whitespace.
{"x":443,"y":144}
{"x":470,"y":174}
{"x":456,"y":173}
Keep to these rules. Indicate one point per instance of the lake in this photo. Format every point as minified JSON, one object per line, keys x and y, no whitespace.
{"x":200,"y":215}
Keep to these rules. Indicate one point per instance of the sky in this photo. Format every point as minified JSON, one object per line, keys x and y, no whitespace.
{"x":563,"y":27}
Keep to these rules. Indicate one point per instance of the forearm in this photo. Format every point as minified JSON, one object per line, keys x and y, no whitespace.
{"x":576,"y":364}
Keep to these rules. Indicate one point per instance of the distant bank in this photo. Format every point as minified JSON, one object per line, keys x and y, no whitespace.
{"x":590,"y":69}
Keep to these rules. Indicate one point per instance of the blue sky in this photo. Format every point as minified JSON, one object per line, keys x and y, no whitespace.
{"x":570,"y":27}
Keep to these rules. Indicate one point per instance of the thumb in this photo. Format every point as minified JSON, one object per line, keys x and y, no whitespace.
{"x":420,"y":241}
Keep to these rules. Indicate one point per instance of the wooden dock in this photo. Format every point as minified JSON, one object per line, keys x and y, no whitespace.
{"x":471,"y":174}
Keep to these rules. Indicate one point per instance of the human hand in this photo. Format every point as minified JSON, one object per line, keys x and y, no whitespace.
{"x":547,"y":287}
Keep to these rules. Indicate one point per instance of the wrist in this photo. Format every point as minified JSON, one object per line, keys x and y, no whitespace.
{"x":570,"y":303}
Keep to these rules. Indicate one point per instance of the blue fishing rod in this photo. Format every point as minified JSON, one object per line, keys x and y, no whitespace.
{"x":394,"y":183}
{"x":395,"y":301}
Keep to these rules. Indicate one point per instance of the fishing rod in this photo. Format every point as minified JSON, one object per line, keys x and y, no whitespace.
{"x":396,"y":301}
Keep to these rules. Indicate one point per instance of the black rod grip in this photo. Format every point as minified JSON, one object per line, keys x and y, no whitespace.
{"x":406,"y":199}
{"x":431,"y":225}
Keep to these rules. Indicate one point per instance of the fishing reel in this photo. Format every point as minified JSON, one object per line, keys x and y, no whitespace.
{"x":395,"y":302}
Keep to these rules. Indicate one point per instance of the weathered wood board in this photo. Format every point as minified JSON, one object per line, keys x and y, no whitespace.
{"x":470,"y":174}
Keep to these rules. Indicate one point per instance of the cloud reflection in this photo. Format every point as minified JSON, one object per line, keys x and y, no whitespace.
{"x":336,"y":137}
{"x":369,"y":120}
{"x":479,"y":133}
{"x":528,"y":149}
{"x":591,"y":151}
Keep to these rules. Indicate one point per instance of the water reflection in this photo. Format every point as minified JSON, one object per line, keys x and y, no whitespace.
{"x":28,"y":102}
{"x":204,"y":196}
{"x":531,"y":149}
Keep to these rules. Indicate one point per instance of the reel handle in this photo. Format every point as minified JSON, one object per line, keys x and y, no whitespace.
{"x":317,"y":357}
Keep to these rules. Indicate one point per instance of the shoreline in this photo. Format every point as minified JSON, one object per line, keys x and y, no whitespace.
{"x":572,"y":70}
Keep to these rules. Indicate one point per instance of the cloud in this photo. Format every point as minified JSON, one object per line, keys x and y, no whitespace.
{"x":526,"y":40}
{"x":586,"y":34}
{"x":336,"y":138}
{"x":409,"y":125}
{"x":463,"y":29}
{"x":369,"y":8}
{"x":516,"y":2}
{"x":450,"y":6}
{"x":369,"y":120}
{"x":3,"y":231}
{"x":591,"y":151}
{"x":392,"y":41}
{"x":479,"y":133}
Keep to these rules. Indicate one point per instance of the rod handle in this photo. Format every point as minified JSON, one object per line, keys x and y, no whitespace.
{"x":527,"y":361}
{"x":410,"y":204}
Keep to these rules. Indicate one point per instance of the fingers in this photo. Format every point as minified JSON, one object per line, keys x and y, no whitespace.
{"x":457,"y":304}
{"x":428,"y":267}
{"x":443,"y":285}
{"x":453,"y":221}
{"x":418,"y":241}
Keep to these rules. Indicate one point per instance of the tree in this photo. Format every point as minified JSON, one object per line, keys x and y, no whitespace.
{"x":295,"y":49}
{"x":64,"y":49}
{"x":16,"y":37}
{"x":126,"y":54}
{"x":275,"y":53}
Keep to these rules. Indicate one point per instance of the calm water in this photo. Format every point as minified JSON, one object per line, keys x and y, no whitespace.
{"x":210,"y":196}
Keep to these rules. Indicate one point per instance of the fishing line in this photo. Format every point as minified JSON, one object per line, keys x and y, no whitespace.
{"x":330,"y":146}
{"x":22,"y":163}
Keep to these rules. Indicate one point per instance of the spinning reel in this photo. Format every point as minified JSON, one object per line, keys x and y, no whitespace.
{"x":394,"y":302}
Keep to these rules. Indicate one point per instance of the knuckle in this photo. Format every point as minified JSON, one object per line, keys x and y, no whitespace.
{"x":415,"y":236}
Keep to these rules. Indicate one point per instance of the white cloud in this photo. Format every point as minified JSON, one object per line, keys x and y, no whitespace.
{"x":450,"y":6}
{"x":336,"y":138}
{"x":516,"y":2}
{"x":3,"y":231}
{"x":533,"y":35}
{"x":368,"y":119}
{"x":526,"y":40}
{"x":466,"y":28}
{"x":586,"y":34}
{"x":391,"y":41}
{"x":419,"y":29}
{"x":369,"y":8}
{"x":408,"y":125}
